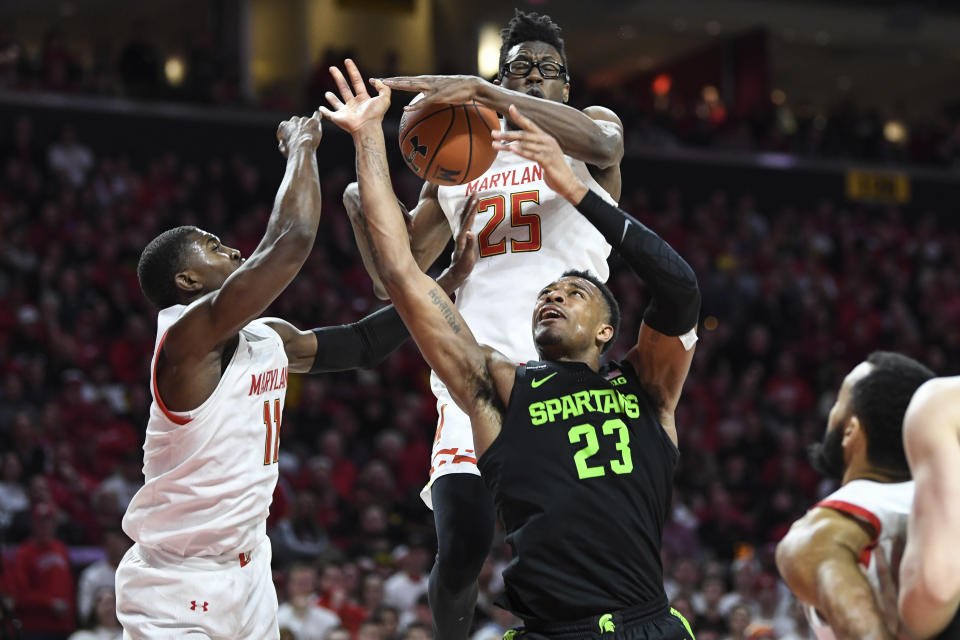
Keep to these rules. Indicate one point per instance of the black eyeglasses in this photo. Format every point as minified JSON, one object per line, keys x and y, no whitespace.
{"x":521,"y":68}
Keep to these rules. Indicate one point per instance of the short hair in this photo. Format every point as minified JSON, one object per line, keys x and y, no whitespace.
{"x":530,"y":27}
{"x":159,"y":264}
{"x":880,"y":399}
{"x":613,"y":307}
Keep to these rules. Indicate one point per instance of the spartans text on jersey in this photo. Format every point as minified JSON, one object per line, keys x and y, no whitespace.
{"x":576,"y":404}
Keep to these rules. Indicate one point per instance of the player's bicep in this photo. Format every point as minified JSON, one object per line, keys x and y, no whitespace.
{"x":822,"y":542}
{"x":662,"y":363}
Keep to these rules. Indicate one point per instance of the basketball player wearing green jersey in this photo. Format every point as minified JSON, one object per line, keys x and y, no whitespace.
{"x":579,"y":457}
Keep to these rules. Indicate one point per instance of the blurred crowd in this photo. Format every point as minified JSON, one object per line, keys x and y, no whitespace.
{"x":792,"y":299}
{"x":203,"y":73}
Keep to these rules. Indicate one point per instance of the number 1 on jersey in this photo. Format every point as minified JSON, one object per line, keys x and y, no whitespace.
{"x":271,"y":448}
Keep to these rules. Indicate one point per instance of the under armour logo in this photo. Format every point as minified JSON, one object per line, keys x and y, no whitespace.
{"x":244,"y":559}
{"x":193,"y":605}
{"x":416,"y":150}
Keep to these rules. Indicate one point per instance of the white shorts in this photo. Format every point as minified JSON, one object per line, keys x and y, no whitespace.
{"x":162,"y":596}
{"x":453,"y":443}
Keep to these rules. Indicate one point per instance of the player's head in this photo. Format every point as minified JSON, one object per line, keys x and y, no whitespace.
{"x":866,"y":421}
{"x":574,"y":315}
{"x":182,"y":264}
{"x":533,"y":39}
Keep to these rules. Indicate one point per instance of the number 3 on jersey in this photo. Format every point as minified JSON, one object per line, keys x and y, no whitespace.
{"x":271,"y":448}
{"x":589,"y":432}
{"x":517,"y":219}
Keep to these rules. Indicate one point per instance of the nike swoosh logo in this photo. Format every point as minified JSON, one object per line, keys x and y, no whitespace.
{"x":536,"y":383}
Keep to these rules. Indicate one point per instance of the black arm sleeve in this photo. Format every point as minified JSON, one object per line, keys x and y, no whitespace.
{"x":363,"y":344}
{"x":675,"y":307}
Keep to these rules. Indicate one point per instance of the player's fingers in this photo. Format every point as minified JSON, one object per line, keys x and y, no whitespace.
{"x":359,"y":88}
{"x":508,"y":136}
{"x":523,"y":121}
{"x":327,"y":113}
{"x":341,"y":83}
{"x":427,"y":100}
{"x":333,"y":100}
{"x":404,"y":83}
{"x":469,"y":212}
{"x":381,"y":88}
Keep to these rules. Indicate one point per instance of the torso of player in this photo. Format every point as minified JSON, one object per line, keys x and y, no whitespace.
{"x":210,"y":473}
{"x":885,"y":506}
{"x":528,"y":235}
{"x":582,"y":477}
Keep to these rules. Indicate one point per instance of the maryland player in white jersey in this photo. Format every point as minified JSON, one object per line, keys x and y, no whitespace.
{"x":526,"y":235}
{"x":200,"y":565}
{"x":930,"y":572}
{"x":842,"y":557}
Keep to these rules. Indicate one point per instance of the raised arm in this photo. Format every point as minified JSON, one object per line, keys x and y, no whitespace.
{"x":818,"y":559}
{"x":930,"y":570}
{"x":428,"y":230}
{"x":444,"y":339}
{"x":664,"y":348}
{"x":367,"y":342}
{"x":289,"y":237}
{"x":594,"y":135}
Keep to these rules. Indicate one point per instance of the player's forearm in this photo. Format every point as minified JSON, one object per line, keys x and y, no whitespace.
{"x":361,"y":345}
{"x":579,"y":135}
{"x":675,"y":307}
{"x":355,"y":214}
{"x":847,"y":601}
{"x":381,"y":221}
{"x":925,"y":606}
{"x":296,"y":209}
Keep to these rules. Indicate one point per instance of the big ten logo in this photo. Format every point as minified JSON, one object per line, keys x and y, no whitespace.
{"x":616,"y":382}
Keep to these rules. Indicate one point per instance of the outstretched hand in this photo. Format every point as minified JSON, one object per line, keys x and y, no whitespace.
{"x":355,"y":107}
{"x":436,"y":89}
{"x":533,"y":143}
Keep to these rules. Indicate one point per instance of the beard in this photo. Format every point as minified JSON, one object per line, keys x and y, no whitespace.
{"x":827,"y":456}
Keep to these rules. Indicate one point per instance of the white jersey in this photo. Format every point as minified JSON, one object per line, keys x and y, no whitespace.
{"x":885,"y":506}
{"x":210,"y":472}
{"x":528,"y":235}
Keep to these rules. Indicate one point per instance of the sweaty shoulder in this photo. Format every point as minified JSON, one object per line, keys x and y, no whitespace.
{"x":596,"y":112}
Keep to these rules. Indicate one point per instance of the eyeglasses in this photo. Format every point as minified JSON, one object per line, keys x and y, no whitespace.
{"x":521,"y":68}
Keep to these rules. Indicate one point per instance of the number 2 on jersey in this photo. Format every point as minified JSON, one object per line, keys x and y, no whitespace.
{"x":271,"y":448}
{"x":589,"y":433}
{"x":517,"y":219}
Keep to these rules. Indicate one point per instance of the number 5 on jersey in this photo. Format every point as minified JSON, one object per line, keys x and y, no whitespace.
{"x":271,"y":448}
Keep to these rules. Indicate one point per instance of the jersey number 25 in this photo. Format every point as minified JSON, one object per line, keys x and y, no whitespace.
{"x":517,"y":219}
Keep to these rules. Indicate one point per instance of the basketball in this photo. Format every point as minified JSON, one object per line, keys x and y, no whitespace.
{"x":448,"y":144}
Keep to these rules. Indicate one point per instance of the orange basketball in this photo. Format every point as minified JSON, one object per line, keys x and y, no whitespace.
{"x":448,"y":144}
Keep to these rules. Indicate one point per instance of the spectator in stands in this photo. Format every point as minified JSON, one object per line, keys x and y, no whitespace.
{"x":300,"y":613}
{"x":69,"y":159}
{"x":403,"y":588}
{"x":13,"y":494}
{"x":102,"y":573}
{"x":389,"y":620}
{"x":102,"y":622}
{"x":41,"y":580}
